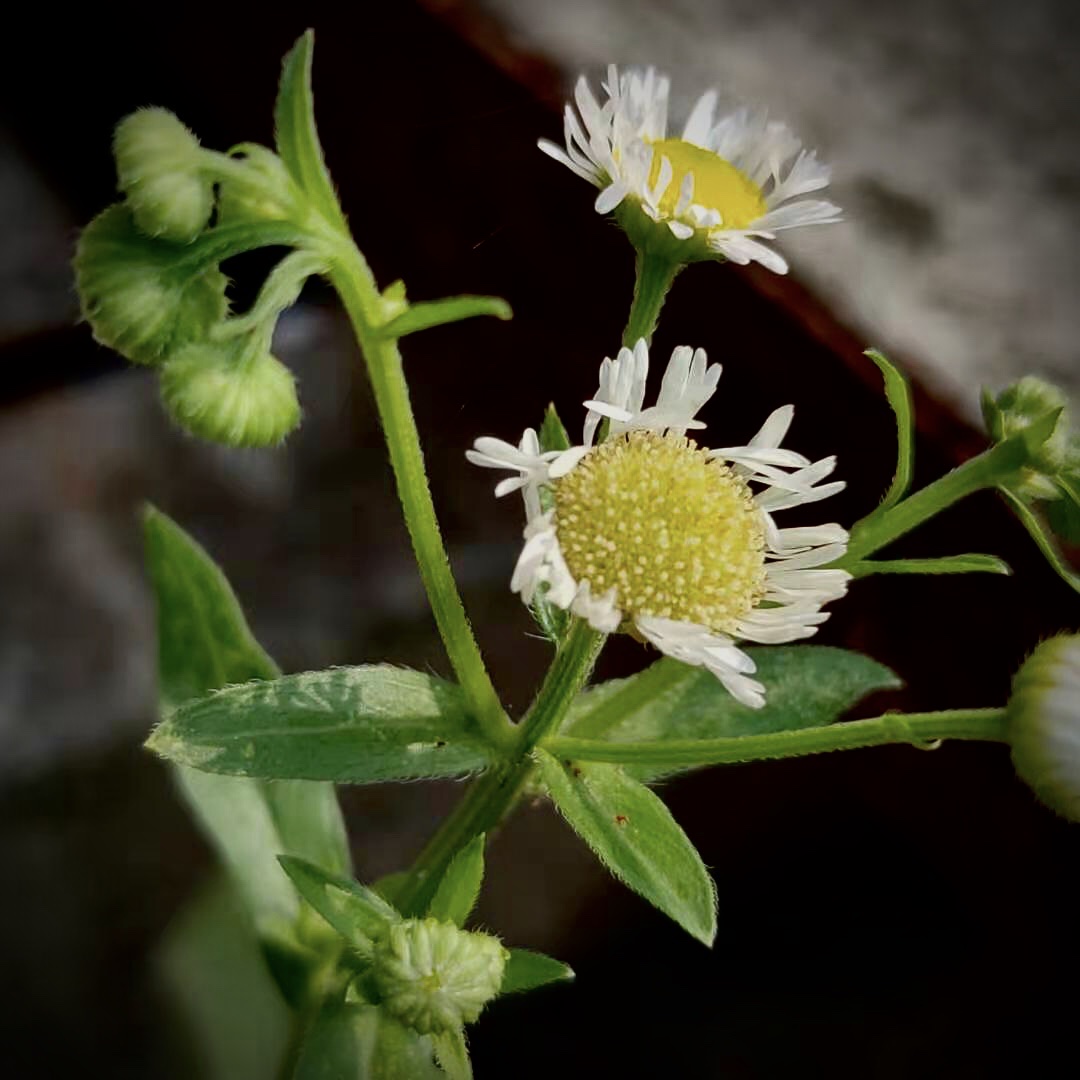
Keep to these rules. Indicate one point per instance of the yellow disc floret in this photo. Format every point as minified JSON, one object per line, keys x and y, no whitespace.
{"x":718,"y":185}
{"x":677,"y":536}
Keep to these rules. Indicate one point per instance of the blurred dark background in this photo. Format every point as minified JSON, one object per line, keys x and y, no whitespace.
{"x":889,"y":913}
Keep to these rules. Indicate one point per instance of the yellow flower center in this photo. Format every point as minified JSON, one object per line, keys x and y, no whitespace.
{"x":676,"y":535}
{"x":718,"y":185}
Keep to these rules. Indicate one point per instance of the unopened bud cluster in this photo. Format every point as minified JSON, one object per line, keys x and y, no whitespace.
{"x":150,"y":293}
{"x":435,"y":977}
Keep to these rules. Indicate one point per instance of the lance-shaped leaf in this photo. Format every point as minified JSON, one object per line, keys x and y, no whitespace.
{"x":636,"y":838}
{"x":527,"y":970}
{"x":805,"y":686}
{"x":295,"y":133}
{"x":362,"y":1042}
{"x":357,"y":724}
{"x":1043,"y":539}
{"x":946,"y":564}
{"x":898,"y":394}
{"x":357,"y":913}
{"x":426,"y":314}
{"x":460,"y":885}
{"x":204,"y":643}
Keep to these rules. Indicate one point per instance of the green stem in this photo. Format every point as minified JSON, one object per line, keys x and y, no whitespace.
{"x":880,"y":528}
{"x":351,"y":277}
{"x":494,"y":794}
{"x":918,"y":729}
{"x":654,"y":275}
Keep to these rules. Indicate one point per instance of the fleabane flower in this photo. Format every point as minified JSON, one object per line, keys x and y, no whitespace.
{"x":648,"y":532}
{"x":718,"y":190}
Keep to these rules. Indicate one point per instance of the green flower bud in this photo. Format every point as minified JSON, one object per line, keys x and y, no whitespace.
{"x":256,"y":187}
{"x":1044,"y":723}
{"x":132,"y":295}
{"x":435,"y":977}
{"x":159,"y":167}
{"x":1018,"y":407}
{"x":223,"y":395}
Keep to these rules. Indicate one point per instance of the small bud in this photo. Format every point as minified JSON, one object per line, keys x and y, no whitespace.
{"x":1044,"y":723}
{"x":159,"y":170}
{"x":1018,"y":407}
{"x":435,"y":977}
{"x":260,"y":189}
{"x":132,"y":295}
{"x":218,"y":393}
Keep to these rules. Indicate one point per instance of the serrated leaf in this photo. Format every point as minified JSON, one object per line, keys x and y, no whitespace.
{"x":431,"y":313}
{"x":898,"y":395}
{"x":460,"y":885}
{"x":452,"y":1054}
{"x":353,"y":724}
{"x":527,"y":970}
{"x":295,"y":134}
{"x":361,"y":1042}
{"x":805,"y":686}
{"x":634,"y":835}
{"x":357,"y":913}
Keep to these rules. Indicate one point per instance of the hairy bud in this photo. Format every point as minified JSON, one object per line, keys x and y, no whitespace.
{"x":1044,"y":723}
{"x":160,"y":172}
{"x":435,"y":977}
{"x":132,"y":295}
{"x":220,"y":394}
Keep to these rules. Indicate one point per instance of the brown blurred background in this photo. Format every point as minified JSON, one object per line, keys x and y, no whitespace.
{"x":884,"y":914}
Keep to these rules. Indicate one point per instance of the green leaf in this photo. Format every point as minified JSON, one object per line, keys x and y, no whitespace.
{"x":460,"y":885}
{"x":634,"y":835}
{"x":805,"y":686}
{"x":946,"y":564}
{"x":358,"y":724}
{"x":361,"y":1042}
{"x":209,"y":963}
{"x":1043,"y":539}
{"x":527,"y":970}
{"x":452,"y":1055}
{"x":898,"y":394}
{"x":1063,"y":514}
{"x":295,"y":134}
{"x":431,"y":313}
{"x":204,"y":643}
{"x":357,"y":913}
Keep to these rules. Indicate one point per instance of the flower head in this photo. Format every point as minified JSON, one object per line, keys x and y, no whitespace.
{"x":648,"y":532}
{"x":727,"y":183}
{"x":1044,"y":723}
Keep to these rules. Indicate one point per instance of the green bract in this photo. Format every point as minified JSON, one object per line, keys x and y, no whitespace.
{"x":135,"y":296}
{"x":159,"y":169}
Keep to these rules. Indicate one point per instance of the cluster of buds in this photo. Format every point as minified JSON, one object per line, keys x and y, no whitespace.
{"x":148,"y":278}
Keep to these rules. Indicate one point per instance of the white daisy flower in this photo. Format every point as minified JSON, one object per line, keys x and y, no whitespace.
{"x":727,"y":183}
{"x":647,"y":532}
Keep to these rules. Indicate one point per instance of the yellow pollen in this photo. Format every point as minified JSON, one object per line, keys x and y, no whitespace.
{"x":676,"y":535}
{"x":718,"y":185}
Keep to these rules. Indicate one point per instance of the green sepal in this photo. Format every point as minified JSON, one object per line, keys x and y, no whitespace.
{"x":362,"y":1042}
{"x":349,"y":724}
{"x":431,"y":313}
{"x":460,"y":885}
{"x":295,"y":135}
{"x":806,"y":686}
{"x":359,"y":914}
{"x":452,"y":1054}
{"x":634,"y":835}
{"x":946,"y":564}
{"x":1043,"y":539}
{"x":898,"y":395}
{"x":527,"y":970}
